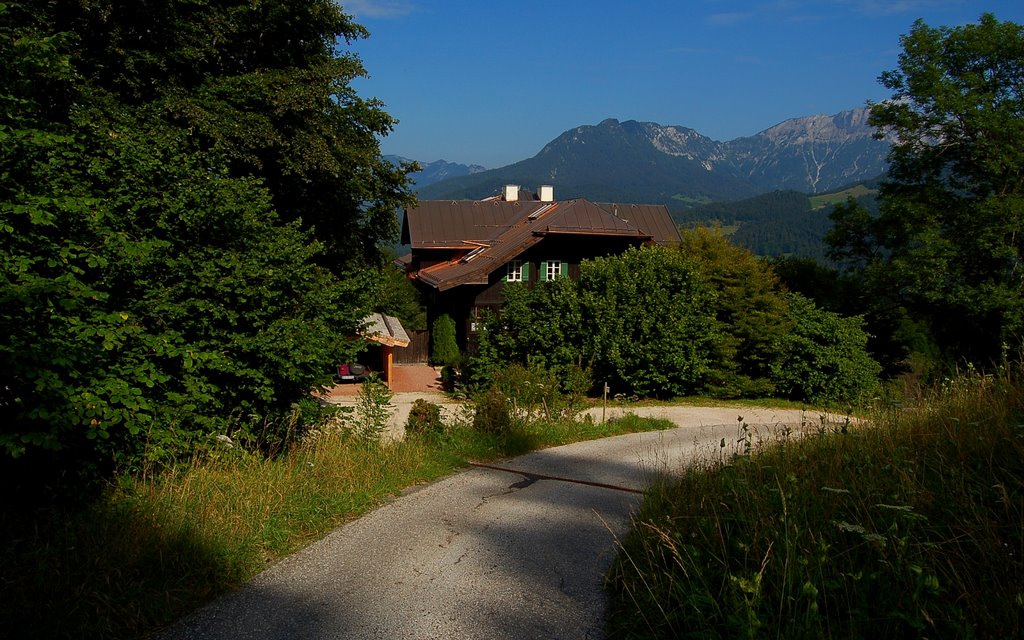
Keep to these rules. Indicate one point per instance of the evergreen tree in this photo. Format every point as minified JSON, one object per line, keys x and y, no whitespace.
{"x":751,"y":313}
{"x":444,"y":348}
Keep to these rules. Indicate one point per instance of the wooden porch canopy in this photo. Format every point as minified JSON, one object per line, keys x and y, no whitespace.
{"x":389,"y":333}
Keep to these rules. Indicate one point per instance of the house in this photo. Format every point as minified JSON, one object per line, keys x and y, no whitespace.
{"x":463,"y":251}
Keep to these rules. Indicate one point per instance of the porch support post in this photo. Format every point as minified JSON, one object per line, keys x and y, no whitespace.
{"x":389,"y":360}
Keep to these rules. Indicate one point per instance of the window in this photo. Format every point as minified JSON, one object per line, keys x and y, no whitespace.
{"x":552,"y":269}
{"x":515,"y":271}
{"x":475,"y":319}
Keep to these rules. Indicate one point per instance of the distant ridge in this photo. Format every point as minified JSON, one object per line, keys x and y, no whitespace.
{"x":646,"y":162}
{"x":431,"y":172}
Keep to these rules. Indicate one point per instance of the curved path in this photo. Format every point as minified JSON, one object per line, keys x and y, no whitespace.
{"x":514,"y":549}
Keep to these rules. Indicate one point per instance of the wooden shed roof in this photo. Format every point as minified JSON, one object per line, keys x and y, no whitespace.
{"x":385,"y":330}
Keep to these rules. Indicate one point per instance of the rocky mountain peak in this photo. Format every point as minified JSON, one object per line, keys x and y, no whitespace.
{"x":633,"y":161}
{"x":843,"y":126}
{"x":679,"y":141}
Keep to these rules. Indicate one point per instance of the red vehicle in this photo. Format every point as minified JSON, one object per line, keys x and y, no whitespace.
{"x":352,"y":372}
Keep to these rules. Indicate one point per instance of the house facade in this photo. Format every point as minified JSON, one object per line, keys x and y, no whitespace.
{"x":464,"y":251}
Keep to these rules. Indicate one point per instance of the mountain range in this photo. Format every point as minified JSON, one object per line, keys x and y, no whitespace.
{"x":436,"y":171}
{"x":645,"y":162}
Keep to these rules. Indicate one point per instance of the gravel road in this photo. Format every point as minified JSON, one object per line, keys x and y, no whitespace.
{"x":515,"y":549}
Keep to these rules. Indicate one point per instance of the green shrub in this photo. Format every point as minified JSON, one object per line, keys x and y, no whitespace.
{"x":576,"y":383}
{"x":451,"y":379}
{"x":537,"y":327}
{"x":538,"y":393}
{"x":725,"y":384}
{"x":658,"y":322}
{"x":373,"y":410}
{"x":444,"y":349}
{"x":533,"y":392}
{"x":650,"y":319}
{"x":493,"y":413}
{"x":641,"y":321}
{"x":424,"y":418}
{"x":824,"y":359}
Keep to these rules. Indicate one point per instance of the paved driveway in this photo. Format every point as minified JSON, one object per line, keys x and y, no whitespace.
{"x":516,"y":549}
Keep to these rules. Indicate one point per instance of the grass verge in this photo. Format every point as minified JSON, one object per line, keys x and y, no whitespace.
{"x":152,"y":549}
{"x":910,"y":527}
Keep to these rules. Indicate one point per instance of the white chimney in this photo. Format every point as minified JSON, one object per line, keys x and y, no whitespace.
{"x":511,"y":192}
{"x":546,"y":192}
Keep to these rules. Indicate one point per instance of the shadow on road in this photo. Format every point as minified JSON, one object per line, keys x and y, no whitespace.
{"x":483,"y":554}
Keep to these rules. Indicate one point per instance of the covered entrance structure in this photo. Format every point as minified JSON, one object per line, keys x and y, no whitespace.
{"x":386,"y":331}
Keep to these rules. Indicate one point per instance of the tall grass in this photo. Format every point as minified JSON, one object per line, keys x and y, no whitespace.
{"x":155,"y":547}
{"x":152,"y":549}
{"x":909,"y":526}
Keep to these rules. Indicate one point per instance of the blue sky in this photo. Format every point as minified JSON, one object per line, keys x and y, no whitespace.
{"x":475,"y":81}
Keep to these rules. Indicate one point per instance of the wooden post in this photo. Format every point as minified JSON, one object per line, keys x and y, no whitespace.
{"x":389,"y":358}
{"x":604,"y":405}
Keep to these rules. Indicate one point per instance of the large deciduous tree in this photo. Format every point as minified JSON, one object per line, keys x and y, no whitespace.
{"x":947,"y":244}
{"x":191,"y":207}
{"x":265,"y":84}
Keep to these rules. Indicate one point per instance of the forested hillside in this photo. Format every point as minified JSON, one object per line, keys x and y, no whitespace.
{"x":780,"y":223}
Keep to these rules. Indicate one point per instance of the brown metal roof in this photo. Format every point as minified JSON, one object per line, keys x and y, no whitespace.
{"x":475,"y":268}
{"x":495,"y":232}
{"x":582,"y":216}
{"x":453,"y":223}
{"x":654,"y":219}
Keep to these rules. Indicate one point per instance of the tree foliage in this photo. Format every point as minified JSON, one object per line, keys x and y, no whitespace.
{"x":640,"y":321}
{"x":444,"y":349}
{"x":823,"y":359}
{"x":664,"y":322}
{"x":650,"y":318}
{"x":397,"y":296}
{"x":267,"y":85}
{"x":165,"y":276}
{"x":751,"y":313}
{"x":539,"y":327}
{"x":947,"y":243}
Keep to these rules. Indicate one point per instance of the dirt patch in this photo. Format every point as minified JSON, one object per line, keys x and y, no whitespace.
{"x":401,"y":405}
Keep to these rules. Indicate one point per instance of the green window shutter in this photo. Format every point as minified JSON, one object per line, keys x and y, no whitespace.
{"x":526,"y":271}
{"x":565,"y":269}
{"x":504,"y":278}
{"x":543,"y":270}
